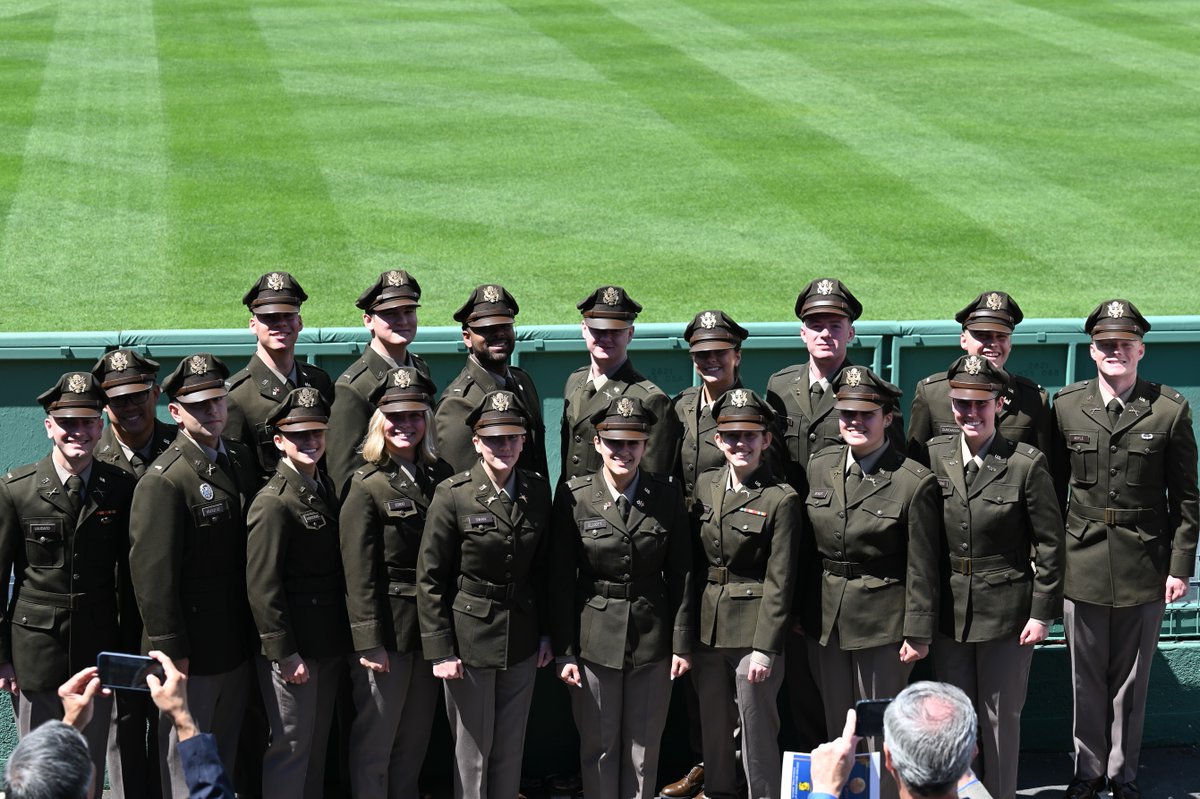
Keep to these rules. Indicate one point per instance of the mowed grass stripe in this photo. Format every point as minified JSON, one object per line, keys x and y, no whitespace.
{"x":89,"y":201}
{"x":1170,"y":23}
{"x":1056,"y":226}
{"x":859,"y":209}
{"x":547,"y":157}
{"x":1088,"y":38}
{"x":246,"y":194}
{"x":26,"y":30}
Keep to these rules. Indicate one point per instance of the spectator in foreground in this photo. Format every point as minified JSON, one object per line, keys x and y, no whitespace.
{"x":928,"y":742}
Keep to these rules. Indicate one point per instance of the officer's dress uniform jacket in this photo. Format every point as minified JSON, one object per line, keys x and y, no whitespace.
{"x":990,"y":587}
{"x":188,"y":556}
{"x":382,"y":522}
{"x":579,"y":456}
{"x":621,"y":602}
{"x":461,"y":397}
{"x":745,"y":567}
{"x":698,"y":450}
{"x":1131,"y":520}
{"x":108,"y":448}
{"x":351,"y":412}
{"x":879,"y":550}
{"x":297,"y":595}
{"x":254,"y":392}
{"x":64,"y":604}
{"x":1125,"y":533}
{"x":1024,"y":417}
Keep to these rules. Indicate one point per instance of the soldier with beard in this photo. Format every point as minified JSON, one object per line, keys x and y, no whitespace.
{"x":487,"y":330}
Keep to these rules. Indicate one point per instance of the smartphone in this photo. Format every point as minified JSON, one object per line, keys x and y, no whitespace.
{"x":869,"y":716}
{"x":127,"y":672}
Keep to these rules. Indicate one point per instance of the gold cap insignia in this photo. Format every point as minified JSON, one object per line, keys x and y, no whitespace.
{"x":402,"y":380}
{"x":118,"y":362}
{"x":974,"y":364}
{"x":491,"y":294}
{"x":854,"y":376}
{"x":77,"y":383}
{"x":275,"y":281}
{"x":825,"y":287}
{"x":500,"y":402}
{"x":740,"y":398}
{"x":307,"y":398}
{"x":708,"y":320}
{"x":994,"y":303}
{"x":625,"y":407}
{"x":610,"y":296}
{"x":394,"y":278}
{"x":197,"y":364}
{"x":1115,"y":309}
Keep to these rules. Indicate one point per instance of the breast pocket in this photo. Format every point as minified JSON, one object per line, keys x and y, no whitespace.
{"x":1001,"y":498}
{"x":1147,"y":452}
{"x":885,"y":511}
{"x":44,"y":545}
{"x":746,"y":523}
{"x":1083,"y":448}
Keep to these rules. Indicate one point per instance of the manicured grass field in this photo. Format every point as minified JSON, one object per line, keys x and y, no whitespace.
{"x":157,"y":155}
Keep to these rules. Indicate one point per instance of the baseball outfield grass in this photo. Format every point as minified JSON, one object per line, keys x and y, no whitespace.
{"x":157,"y":155}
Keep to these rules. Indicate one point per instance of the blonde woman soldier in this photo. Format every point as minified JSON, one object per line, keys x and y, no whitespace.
{"x":382,"y":521}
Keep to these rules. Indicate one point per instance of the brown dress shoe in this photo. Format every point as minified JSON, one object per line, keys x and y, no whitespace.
{"x":687,"y":788}
{"x":1125,"y":790}
{"x":1085,"y":789}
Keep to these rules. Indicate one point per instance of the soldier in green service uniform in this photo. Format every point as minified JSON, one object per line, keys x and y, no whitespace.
{"x":487,"y":330}
{"x":132,"y":440}
{"x":296,"y":589}
{"x":64,"y":537}
{"x":389,"y":307}
{"x":1125,"y":451}
{"x":998,"y":504}
{"x":1025,"y":418}
{"x":188,"y":561}
{"x":608,"y":314}
{"x":875,"y":524}
{"x":255,"y":391}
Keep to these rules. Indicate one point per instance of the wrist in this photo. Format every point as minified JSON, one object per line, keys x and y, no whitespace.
{"x":185,"y":725}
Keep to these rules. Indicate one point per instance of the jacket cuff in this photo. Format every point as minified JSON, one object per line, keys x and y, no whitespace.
{"x":277,"y":646}
{"x":173,"y":646}
{"x":366,"y":635}
{"x":1182,"y":564}
{"x":438,"y":646}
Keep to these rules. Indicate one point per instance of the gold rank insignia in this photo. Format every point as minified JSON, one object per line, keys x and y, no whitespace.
{"x":118,"y":361}
{"x":197,"y":365}
{"x":1115,"y":309}
{"x":491,"y":294}
{"x":708,"y":320}
{"x":402,"y":380}
{"x":825,"y":287}
{"x":994,"y":303}
{"x":611,"y":296}
{"x":854,"y":376}
{"x":77,"y":383}
{"x":394,"y":278}
{"x":275,"y":281}
{"x":307,"y":397}
{"x":500,"y":402}
{"x":625,"y":407}
{"x":740,"y":398}
{"x":974,"y":364}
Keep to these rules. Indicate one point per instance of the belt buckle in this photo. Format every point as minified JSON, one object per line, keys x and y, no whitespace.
{"x":1110,"y":517}
{"x":964,"y":568}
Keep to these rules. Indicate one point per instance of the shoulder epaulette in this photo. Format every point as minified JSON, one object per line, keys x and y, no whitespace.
{"x":365,"y":471}
{"x":1028,"y":450}
{"x":353,"y":371}
{"x":537,"y":476}
{"x":665,"y":479}
{"x":785,"y":372}
{"x":459,"y":478}
{"x":835,"y":450}
{"x":116,"y":472}
{"x":1169,"y":393}
{"x":20,"y":472}
{"x":276,"y":484}
{"x":1023,"y":380}
{"x":237,"y":377}
{"x":912,"y":467}
{"x":582,"y":481}
{"x":1071,"y":388}
{"x":937,"y":377}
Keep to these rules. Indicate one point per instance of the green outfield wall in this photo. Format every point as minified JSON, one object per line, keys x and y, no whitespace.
{"x":1053,"y":352}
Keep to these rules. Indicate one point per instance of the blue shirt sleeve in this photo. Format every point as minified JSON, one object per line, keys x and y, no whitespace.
{"x":202,"y":769}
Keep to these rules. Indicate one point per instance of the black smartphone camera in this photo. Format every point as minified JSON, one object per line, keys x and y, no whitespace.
{"x":127,"y":672}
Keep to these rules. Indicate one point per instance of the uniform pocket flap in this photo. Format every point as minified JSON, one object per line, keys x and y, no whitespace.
{"x":745,"y":591}
{"x":882,"y":507}
{"x":475,"y":606}
{"x":819,"y":497}
{"x":748,"y":521}
{"x":872,"y":583}
{"x":597,"y":602}
{"x":36,"y":617}
{"x":1003,"y":577}
{"x":1001,"y":494}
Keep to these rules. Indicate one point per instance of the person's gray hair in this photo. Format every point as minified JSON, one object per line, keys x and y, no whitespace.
{"x":51,"y":762}
{"x":930,"y":731}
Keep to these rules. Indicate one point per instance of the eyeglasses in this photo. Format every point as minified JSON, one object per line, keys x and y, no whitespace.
{"x":135,"y":400}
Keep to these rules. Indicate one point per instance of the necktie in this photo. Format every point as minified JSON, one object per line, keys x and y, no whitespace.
{"x":972,"y":472}
{"x":853,"y":479}
{"x":1114,"y":409}
{"x":225,"y":466}
{"x":623,"y":507}
{"x":507,"y":503}
{"x":817,"y":392}
{"x":138,"y":463}
{"x":75,"y":494}
{"x":589,"y":391}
